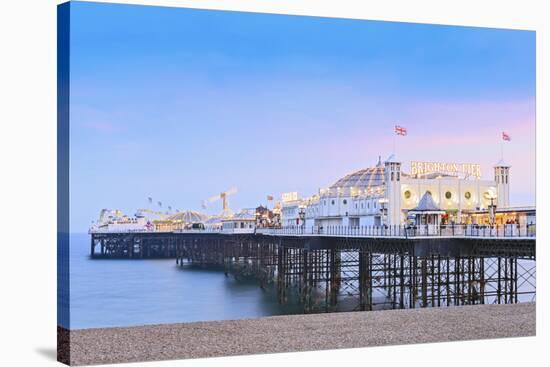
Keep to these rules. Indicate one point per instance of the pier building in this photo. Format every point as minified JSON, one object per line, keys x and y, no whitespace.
{"x":437,"y":194}
{"x":243,"y":220}
{"x":387,"y":195}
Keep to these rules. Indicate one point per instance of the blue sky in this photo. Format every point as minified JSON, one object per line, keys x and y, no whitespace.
{"x":180,"y":104}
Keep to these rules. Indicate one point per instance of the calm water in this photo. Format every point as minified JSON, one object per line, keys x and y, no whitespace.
{"x":137,"y":292}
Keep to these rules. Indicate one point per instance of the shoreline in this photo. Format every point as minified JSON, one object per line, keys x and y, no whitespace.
{"x":294,"y":333}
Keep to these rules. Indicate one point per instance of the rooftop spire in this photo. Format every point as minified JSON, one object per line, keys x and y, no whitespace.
{"x":502,"y":163}
{"x":392,"y":159}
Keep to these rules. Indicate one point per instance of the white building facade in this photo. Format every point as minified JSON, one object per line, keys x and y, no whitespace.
{"x":384,"y":194}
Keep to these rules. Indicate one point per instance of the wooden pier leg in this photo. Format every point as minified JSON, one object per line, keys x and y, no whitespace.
{"x":387,"y":272}
{"x":281,"y":276}
{"x":515,"y":279}
{"x":424,"y":285}
{"x":414,"y":281}
{"x":327,"y":263}
{"x":334,"y":276}
{"x":369,"y":281}
{"x":482,"y":280}
{"x":362,"y":280}
{"x":448,"y":280}
{"x":396,"y":278}
{"x":305,"y":280}
{"x":226,"y":258}
{"x":439,"y":281}
{"x":402,"y":281}
{"x":432,"y":280}
{"x":499,"y":289}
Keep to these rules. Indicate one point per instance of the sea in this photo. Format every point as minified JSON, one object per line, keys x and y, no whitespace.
{"x":107,"y":292}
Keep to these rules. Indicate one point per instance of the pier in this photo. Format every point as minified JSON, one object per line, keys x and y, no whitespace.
{"x":345,"y":268}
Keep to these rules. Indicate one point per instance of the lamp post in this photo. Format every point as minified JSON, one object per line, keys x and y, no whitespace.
{"x":492,"y":210}
{"x":302,"y":215}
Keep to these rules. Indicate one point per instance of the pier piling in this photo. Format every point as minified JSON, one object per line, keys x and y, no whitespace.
{"x":331,"y":274}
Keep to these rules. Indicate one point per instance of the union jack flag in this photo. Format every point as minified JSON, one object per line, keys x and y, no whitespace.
{"x":399,"y":130}
{"x":506,"y":136}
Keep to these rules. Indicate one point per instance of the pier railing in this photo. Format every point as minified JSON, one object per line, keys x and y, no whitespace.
{"x":452,"y":230}
{"x":426,"y":230}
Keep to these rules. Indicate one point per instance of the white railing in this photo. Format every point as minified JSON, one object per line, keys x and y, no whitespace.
{"x":217,"y":230}
{"x":505,"y":230}
{"x":199,"y":230}
{"x":425,"y":230}
{"x":117,"y":230}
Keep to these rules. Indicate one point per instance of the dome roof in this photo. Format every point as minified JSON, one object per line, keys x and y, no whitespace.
{"x":189,"y":216}
{"x":362,"y":179}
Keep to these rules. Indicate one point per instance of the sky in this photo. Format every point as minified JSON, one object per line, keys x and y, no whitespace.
{"x":180,"y":104}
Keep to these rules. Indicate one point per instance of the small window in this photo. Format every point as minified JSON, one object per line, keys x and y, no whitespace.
{"x":448,"y":195}
{"x":345,"y":201}
{"x":332,"y":202}
{"x":468,"y":195}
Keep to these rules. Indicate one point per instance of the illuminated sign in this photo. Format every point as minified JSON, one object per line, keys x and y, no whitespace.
{"x":454,"y":169}
{"x":290,"y":196}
